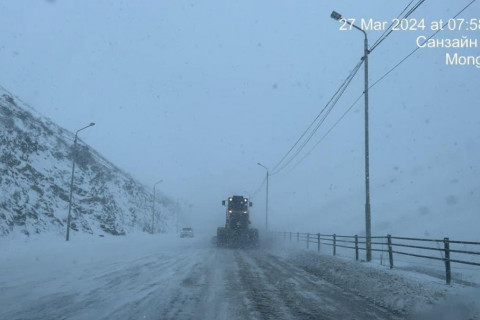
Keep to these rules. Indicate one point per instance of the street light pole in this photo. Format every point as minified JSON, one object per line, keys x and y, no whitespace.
{"x":266,"y":204}
{"x":176,"y":223}
{"x":368,"y":229}
{"x":153,"y":205}
{"x":69,"y":218}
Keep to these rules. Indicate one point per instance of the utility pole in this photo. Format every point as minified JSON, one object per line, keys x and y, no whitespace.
{"x":368,"y":230}
{"x":176,"y":223}
{"x":153,"y":205}
{"x":266,"y":206}
{"x":69,"y":218}
{"x":266,"y":203}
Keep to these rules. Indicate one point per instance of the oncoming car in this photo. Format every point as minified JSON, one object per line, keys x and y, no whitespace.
{"x":186,"y":233}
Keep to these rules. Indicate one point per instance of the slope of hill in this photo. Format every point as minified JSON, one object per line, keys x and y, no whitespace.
{"x":35,"y":170}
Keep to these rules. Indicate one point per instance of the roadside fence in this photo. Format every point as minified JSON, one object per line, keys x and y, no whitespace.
{"x":448,"y":251}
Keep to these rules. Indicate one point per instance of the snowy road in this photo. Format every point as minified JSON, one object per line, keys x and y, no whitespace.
{"x":181,"y":279}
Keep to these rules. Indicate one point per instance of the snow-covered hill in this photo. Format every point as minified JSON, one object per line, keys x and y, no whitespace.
{"x":35,"y":166}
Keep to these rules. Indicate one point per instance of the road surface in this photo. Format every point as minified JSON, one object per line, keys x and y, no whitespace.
{"x":187,"y":279}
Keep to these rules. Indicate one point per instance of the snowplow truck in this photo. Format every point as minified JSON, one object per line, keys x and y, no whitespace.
{"x":236,"y":233}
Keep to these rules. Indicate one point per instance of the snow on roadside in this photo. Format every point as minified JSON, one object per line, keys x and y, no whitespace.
{"x":415,"y":295}
{"x":97,"y":275}
{"x":43,"y":254}
{"x":36,"y":269}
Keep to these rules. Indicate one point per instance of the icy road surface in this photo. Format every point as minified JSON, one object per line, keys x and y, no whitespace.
{"x":155,"y":277}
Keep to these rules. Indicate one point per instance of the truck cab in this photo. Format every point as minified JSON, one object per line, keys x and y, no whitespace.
{"x":237,"y":213}
{"x":236,"y":232}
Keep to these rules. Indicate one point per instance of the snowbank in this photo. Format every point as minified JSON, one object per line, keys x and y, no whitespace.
{"x":412,"y":294}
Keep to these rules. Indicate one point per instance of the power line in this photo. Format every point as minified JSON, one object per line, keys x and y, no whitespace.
{"x":381,"y":78}
{"x":389,"y":27}
{"x":379,"y":40}
{"x":335,"y":98}
{"x":259,"y":188}
{"x":327,"y":133}
{"x":371,"y":86}
{"x":418,"y":47}
{"x":332,"y":102}
{"x":389,"y":30}
{"x":342,"y":86}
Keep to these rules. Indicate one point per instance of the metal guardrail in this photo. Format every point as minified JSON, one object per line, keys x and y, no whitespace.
{"x":393,"y":246}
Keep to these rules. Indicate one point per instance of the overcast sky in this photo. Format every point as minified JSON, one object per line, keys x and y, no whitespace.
{"x":197,"y":92}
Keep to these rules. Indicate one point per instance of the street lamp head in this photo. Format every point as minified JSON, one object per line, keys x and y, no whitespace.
{"x":335,"y":15}
{"x":261,"y":165}
{"x":90,"y":125}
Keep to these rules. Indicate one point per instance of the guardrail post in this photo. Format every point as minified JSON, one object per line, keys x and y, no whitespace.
{"x":448,"y":274}
{"x":356,"y":247}
{"x":334,"y":244}
{"x":290,"y":236}
{"x":390,"y":252}
{"x":308,"y":240}
{"x":318,"y":242}
{"x":298,"y":236}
